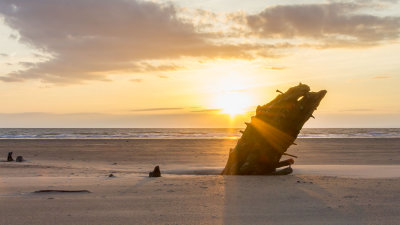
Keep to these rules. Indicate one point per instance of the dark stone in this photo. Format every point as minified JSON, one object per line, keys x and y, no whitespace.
{"x":62,"y":191}
{"x":156,"y":172}
{"x":20,"y":159}
{"x":111,"y":175}
{"x":9,"y":157}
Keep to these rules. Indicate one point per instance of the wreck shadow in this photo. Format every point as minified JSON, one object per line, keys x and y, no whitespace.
{"x":288,"y":199}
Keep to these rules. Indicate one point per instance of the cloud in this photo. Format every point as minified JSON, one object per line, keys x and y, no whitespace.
{"x":155,"y":109}
{"x":331,"y":24}
{"x":381,"y":77}
{"x":206,"y":110}
{"x":136,"y":80}
{"x":90,"y":39}
{"x":277,"y":68}
{"x":27,"y":64}
{"x":357,"y":110}
{"x":144,"y":67}
{"x":13,"y":37}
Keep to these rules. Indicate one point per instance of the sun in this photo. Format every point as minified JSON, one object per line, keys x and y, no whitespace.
{"x":233,"y":103}
{"x":231,"y":92}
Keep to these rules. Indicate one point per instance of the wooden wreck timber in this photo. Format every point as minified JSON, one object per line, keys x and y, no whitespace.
{"x":271,"y":132}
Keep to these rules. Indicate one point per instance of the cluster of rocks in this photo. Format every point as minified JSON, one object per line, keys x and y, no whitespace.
{"x":155,"y":173}
{"x":18,"y":159}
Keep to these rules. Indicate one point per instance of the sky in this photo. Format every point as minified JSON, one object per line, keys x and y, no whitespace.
{"x":135,"y":63}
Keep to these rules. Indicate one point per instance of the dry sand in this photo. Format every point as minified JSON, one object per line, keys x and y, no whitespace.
{"x":309,"y":196}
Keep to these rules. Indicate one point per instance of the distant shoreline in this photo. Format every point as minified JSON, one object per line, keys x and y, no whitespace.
{"x":356,"y":138}
{"x":183,"y":133}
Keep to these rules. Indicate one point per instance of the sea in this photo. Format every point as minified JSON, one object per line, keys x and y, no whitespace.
{"x":183,"y":133}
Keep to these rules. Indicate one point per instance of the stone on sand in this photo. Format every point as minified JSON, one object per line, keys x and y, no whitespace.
{"x":19,"y":159}
{"x":156,"y":172}
{"x":9,"y":157}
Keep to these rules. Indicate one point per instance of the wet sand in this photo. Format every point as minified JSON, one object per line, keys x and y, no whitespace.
{"x":185,"y":194}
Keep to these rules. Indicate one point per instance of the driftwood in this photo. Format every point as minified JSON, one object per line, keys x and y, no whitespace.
{"x":271,"y":132}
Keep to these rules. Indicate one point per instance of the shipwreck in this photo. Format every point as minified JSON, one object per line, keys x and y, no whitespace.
{"x":271,"y":132}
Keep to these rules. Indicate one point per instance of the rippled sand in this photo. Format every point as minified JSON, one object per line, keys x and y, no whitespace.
{"x":326,"y":187}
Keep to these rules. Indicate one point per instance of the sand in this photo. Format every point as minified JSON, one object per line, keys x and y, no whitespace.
{"x":319,"y":192}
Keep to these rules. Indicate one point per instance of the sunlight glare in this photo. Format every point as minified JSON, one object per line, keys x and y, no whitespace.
{"x":233,"y":103}
{"x":233,"y":98}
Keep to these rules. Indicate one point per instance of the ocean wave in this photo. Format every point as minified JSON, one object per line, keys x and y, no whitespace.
{"x":179,"y":133}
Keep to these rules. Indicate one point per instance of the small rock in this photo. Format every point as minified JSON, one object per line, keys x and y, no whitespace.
{"x":298,"y":181}
{"x":111,"y":175}
{"x":9,"y":157}
{"x":19,"y":159}
{"x":156,"y":172}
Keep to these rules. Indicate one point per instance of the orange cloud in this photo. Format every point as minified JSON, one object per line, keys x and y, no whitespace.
{"x":90,"y":39}
{"x":335,"y":24}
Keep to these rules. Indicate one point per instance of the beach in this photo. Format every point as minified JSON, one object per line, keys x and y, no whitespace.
{"x":119,"y":112}
{"x":190,"y":190}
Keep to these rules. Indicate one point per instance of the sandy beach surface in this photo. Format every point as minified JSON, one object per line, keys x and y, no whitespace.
{"x":336,"y":181}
